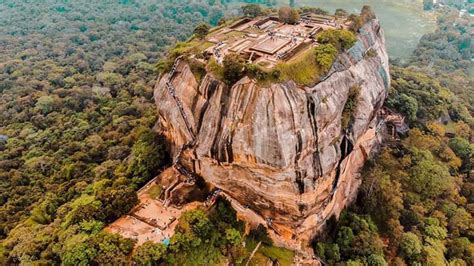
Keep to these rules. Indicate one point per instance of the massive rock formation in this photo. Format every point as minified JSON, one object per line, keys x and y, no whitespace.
{"x":280,"y":151}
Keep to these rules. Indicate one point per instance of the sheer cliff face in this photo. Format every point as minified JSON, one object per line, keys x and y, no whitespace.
{"x":280,"y":150}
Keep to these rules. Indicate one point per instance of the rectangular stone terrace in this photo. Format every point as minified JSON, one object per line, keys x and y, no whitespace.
{"x":151,"y":220}
{"x":266,"y":40}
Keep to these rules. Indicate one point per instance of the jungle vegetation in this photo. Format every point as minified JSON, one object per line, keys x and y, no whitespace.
{"x":76,"y":105}
{"x":416,"y":204}
{"x":76,"y":142}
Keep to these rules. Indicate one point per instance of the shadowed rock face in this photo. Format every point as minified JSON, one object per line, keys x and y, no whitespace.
{"x":280,"y":150}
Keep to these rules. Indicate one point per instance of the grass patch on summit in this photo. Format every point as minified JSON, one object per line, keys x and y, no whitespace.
{"x":303,"y":69}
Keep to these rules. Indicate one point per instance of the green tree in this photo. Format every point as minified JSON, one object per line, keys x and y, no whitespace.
{"x":196,"y":223}
{"x":461,"y":147}
{"x":233,"y":68}
{"x":341,"y":39}
{"x":195,"y":241}
{"x":404,"y":104}
{"x":148,"y":154}
{"x":356,"y":22}
{"x":461,"y":248}
{"x":288,"y":15}
{"x":429,"y":178}
{"x":91,"y":227}
{"x":434,"y":230}
{"x":325,"y":55}
{"x":233,"y":236}
{"x":149,"y":253}
{"x":328,"y":252}
{"x":111,"y":248}
{"x":341,"y":12}
{"x":344,"y":238}
{"x":460,"y":223}
{"x":111,"y":80}
{"x":410,"y":245}
{"x":116,"y":201}
{"x":355,"y":262}
{"x":294,"y":16}
{"x":80,"y":254}
{"x":347,"y":39}
{"x":376,"y":260}
{"x":201,"y":30}
{"x":382,"y":197}
{"x":46,"y":104}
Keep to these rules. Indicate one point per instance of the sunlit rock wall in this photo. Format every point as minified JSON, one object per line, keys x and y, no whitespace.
{"x":280,"y":150}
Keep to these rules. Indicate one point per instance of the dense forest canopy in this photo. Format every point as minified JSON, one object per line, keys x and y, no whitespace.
{"x":76,"y":142}
{"x":76,"y":106}
{"x":76,"y":80}
{"x":448,"y":54}
{"x":416,"y":204}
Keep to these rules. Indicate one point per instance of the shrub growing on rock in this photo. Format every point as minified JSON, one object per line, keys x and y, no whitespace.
{"x":201,"y":30}
{"x":341,"y":39}
{"x":325,"y":55}
{"x":350,"y":106}
{"x":233,"y":68}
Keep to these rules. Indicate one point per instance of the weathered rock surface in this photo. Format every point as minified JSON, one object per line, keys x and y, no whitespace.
{"x":280,"y":150}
